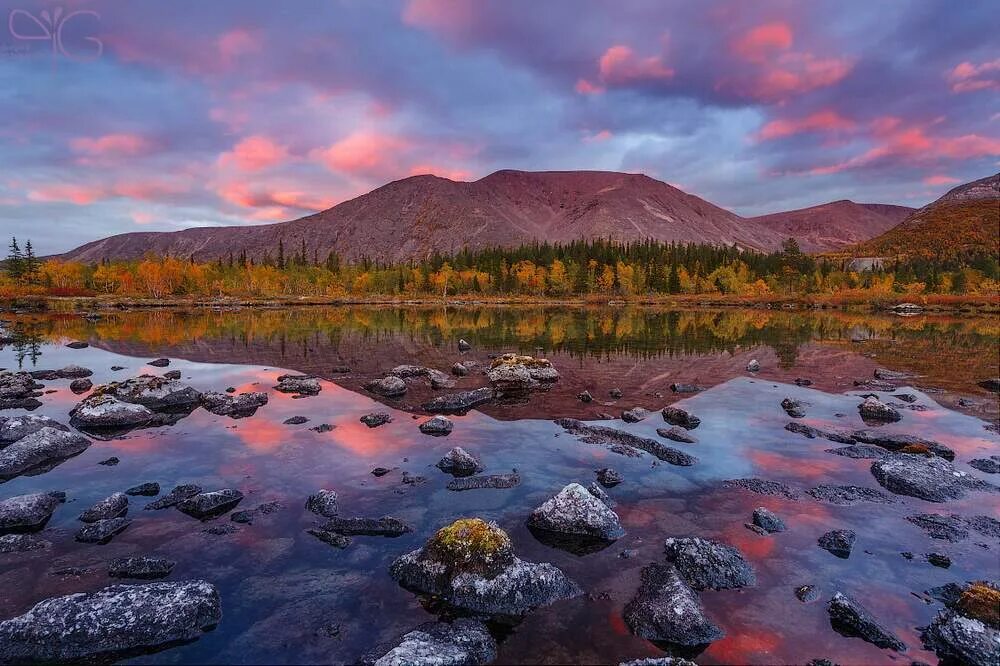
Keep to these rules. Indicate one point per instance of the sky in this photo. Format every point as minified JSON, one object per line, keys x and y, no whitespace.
{"x":151,"y":115}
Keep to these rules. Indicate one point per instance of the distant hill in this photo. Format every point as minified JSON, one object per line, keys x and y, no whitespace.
{"x":834,"y":225}
{"x":417,"y":216}
{"x":965,"y":220}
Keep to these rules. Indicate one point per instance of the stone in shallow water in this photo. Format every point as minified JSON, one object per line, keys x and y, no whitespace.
{"x":464,"y":642}
{"x":575,"y":511}
{"x":635,"y":414}
{"x":22,"y":543}
{"x":155,"y":393}
{"x":376,"y":419}
{"x":873,"y":409}
{"x":141,"y":567}
{"x":111,"y":624}
{"x":679,"y":417}
{"x":608,"y":477}
{"x":807,"y":593}
{"x":209,"y":505}
{"x":900,"y":441}
{"x":41,"y":449}
{"x":850,"y":618}
{"x":767,"y":520}
{"x":957,"y":639}
{"x":300,"y":384}
{"x":495,"y":481}
{"x":175,"y":496}
{"x":458,"y":402}
{"x":437,"y":426}
{"x":621,"y":441}
{"x":931,"y":479}
{"x":989,"y":465}
{"x":323,"y":503}
{"x":666,"y":610}
{"x":234,"y":406}
{"x":386,"y":526}
{"x":762,"y":487}
{"x":335,"y":539}
{"x":846,"y":495}
{"x":295,"y":420}
{"x":812,"y":433}
{"x":114,"y":506}
{"x":159,"y":362}
{"x":102,"y":531}
{"x":659,"y":661}
{"x":838,"y":542}
{"x":471,"y":565}
{"x":676,"y":434}
{"x":794,"y":408}
{"x":100,"y":410}
{"x":707,"y":564}
{"x":16,"y":427}
{"x":459,"y":462}
{"x":860,"y":451}
{"x":390,"y":387}
{"x":28,"y":513}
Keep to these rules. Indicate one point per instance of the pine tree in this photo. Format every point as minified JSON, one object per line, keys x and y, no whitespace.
{"x":30,"y":263}
{"x":281,"y":254}
{"x":674,"y":281}
{"x":15,"y":260}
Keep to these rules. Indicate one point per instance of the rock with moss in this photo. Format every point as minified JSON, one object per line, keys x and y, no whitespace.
{"x":471,"y":565}
{"x":513,"y":374}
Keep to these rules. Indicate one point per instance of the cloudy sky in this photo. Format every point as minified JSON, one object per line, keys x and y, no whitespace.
{"x":160,"y":115}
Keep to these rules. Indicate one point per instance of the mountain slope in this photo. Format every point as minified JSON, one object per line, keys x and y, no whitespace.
{"x":417,"y":216}
{"x":834,"y":225}
{"x":965,"y":220}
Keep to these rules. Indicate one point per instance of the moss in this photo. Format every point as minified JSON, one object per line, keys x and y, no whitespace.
{"x":471,"y":545}
{"x":527,"y":361}
{"x":982,"y":602}
{"x":916,"y":449}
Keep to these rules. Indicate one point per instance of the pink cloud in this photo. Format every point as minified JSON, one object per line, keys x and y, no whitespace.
{"x":760,"y":42}
{"x":451,"y":17}
{"x":112,"y":145}
{"x":141,"y":217}
{"x":273,"y":202}
{"x":621,"y":66}
{"x":967,"y":77}
{"x":597,"y":137}
{"x":821,"y":121}
{"x":235,"y":43}
{"x":81,"y":195}
{"x":940,"y":180}
{"x":585,"y":87}
{"x":363,"y":153}
{"x":255,"y":153}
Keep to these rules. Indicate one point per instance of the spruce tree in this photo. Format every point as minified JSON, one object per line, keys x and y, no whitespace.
{"x":30,"y":263}
{"x":15,"y":260}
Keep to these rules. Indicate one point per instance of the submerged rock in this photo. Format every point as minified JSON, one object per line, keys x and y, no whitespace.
{"x":464,"y":642}
{"x":471,"y":565}
{"x":794,"y":408}
{"x":386,"y":526}
{"x":175,"y":496}
{"x":707,"y":564}
{"x":102,"y":531}
{"x":234,"y":406}
{"x":335,"y":539}
{"x":463,"y":401}
{"x":849,"y":494}
{"x":437,"y":426}
{"x":679,"y":417}
{"x":110,"y":507}
{"x":931,"y":479}
{"x":247,"y":516}
{"x":459,"y":462}
{"x":838,"y":542}
{"x":22,"y":543}
{"x":947,"y":528}
{"x":141,"y":567}
{"x":989,"y":465}
{"x":209,"y":505}
{"x":635,"y":414}
{"x":323,"y":503}
{"x":676,"y":434}
{"x":376,"y":419}
{"x":806,"y":593}
{"x":28,"y":513}
{"x":609,"y":478}
{"x":100,"y":410}
{"x":575,"y":511}
{"x":495,"y":481}
{"x":849,"y":618}
{"x":666,"y":610}
{"x":624,"y":442}
{"x":813,"y":433}
{"x":390,"y":387}
{"x":762,"y":487}
{"x":299,"y":384}
{"x":295,"y":420}
{"x":111,"y":624}
{"x":80,"y":385}
{"x":42,"y":449}
{"x":873,"y":409}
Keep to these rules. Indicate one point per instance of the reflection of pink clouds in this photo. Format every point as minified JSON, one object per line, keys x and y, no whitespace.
{"x":261,"y":435}
{"x":366,"y":442}
{"x":769,"y":462}
{"x":749,"y":645}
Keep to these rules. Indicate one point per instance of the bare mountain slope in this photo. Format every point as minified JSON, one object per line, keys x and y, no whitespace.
{"x":834,"y":225}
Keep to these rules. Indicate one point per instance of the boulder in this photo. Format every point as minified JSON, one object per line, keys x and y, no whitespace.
{"x":234,"y":406}
{"x":376,"y":419}
{"x":574,"y":511}
{"x":464,"y":642}
{"x":635,"y":414}
{"x":513,"y":374}
{"x":459,"y":462}
{"x":753,"y":366}
{"x":437,"y":378}
{"x":767,"y":520}
{"x":665,"y":609}
{"x":873,"y":409}
{"x":707,"y":564}
{"x":794,"y":408}
{"x":111,"y":624}
{"x":28,"y":513}
{"x":142,"y":567}
{"x":102,"y":531}
{"x":159,"y":362}
{"x":437,"y":426}
{"x":174,"y":497}
{"x":679,"y":417}
{"x":15,"y":427}
{"x":957,"y":639}
{"x":989,"y":465}
{"x":624,"y":442}
{"x":210,"y":505}
{"x":452,"y":403}
{"x":838,"y":542}
{"x":849,"y":618}
{"x":155,"y":393}
{"x":22,"y":543}
{"x":113,"y":506}
{"x":931,"y":479}
{"x":323,"y":503}
{"x":495,"y":481}
{"x":79,"y":386}
{"x":149,"y":489}
{"x":676,"y":434}
{"x":609,"y":478}
{"x":100,"y":410}
{"x":389,"y":387}
{"x":471,"y":565}
{"x":335,"y":539}
{"x":42,"y":449}
{"x":299,"y":384}
{"x":386,"y":526}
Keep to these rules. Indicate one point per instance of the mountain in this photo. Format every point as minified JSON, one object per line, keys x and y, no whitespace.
{"x":964,"y":221}
{"x":417,"y":216}
{"x":834,"y":225}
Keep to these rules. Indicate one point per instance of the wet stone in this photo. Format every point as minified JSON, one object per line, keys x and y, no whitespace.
{"x":295,"y":420}
{"x":80,"y":385}
{"x":149,"y":489}
{"x":141,"y":567}
{"x":102,"y":531}
{"x":707,"y":564}
{"x":459,"y":370}
{"x":932,"y":479}
{"x":300,"y":384}
{"x":76,"y":344}
{"x":794,"y":408}
{"x":454,"y":403}
{"x":686,"y":388}
{"x":323,"y":427}
{"x":608,"y":477}
{"x":807,"y":593}
{"x":635,"y":414}
{"x":666,"y":610}
{"x":849,"y":618}
{"x":234,"y":406}
{"x":16,"y":427}
{"x":860,"y":451}
{"x":28,"y":513}
{"x":159,"y":363}
{"x":323,"y":503}
{"x":676,"y":434}
{"x":386,"y":526}
{"x":762,"y":487}
{"x":585,"y":397}
{"x":767,"y":520}
{"x":376,"y":419}
{"x":494,"y":481}
{"x":110,"y":462}
{"x":575,"y":511}
{"x":903,"y":443}
{"x":846,"y":495}
{"x":615,"y":393}
{"x":873,"y":409}
{"x":172,"y":374}
{"x":989,"y":465}
{"x":464,"y":642}
{"x":113,"y":506}
{"x":437,"y":426}
{"x":838,"y":542}
{"x":957,"y":639}
{"x":459,"y":462}
{"x":22,"y":543}
{"x":209,"y":505}
{"x":175,"y":496}
{"x":390,"y":387}
{"x":939,"y":560}
{"x":947,"y":528}
{"x":679,"y":417}
{"x":380,"y":471}
{"x":621,"y":441}
{"x":106,"y":411}
{"x":42,"y":448}
{"x":334,"y":539}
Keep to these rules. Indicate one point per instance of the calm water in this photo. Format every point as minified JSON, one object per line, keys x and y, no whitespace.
{"x":288,"y":598}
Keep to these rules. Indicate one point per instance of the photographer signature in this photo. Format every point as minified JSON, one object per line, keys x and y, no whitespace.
{"x":49,"y":27}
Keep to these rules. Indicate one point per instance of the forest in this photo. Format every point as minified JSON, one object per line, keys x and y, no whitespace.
{"x":581,"y":269}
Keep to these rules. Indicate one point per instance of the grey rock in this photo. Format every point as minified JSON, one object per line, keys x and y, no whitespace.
{"x":575,"y":511}
{"x":957,"y":639}
{"x":323,"y":427}
{"x":679,"y":417}
{"x":989,"y":465}
{"x":463,"y":346}
{"x":860,"y":451}
{"x":762,"y":487}
{"x":299,"y":384}
{"x":113,"y":506}
{"x":676,"y":434}
{"x":159,"y":362}
{"x":111,"y":624}
{"x":376,"y":419}
{"x":110,"y":462}
{"x":295,"y":420}
{"x":686,"y":388}
{"x":148,"y":489}
{"x":462,"y":401}
{"x":599,"y":492}
{"x":609,"y":478}
{"x":76,"y":344}
{"x":890,"y":375}
{"x":873,"y":409}
{"x":767,"y":520}
{"x":846,"y":495}
{"x":807,"y":593}
{"x":947,"y":528}
{"x":74,"y":372}
{"x":80,"y":385}
{"x":390,"y":387}
{"x":174,"y":497}
{"x":635,"y":414}
{"x":459,"y":462}
{"x":141,"y":567}
{"x":794,"y":408}
{"x":624,"y":442}
{"x":437,"y":378}
{"x":464,"y":642}
{"x":15,"y":427}
{"x":437,"y":426}
{"x":247,"y":516}
{"x":753,"y":366}
{"x":585,"y":397}
{"x":615,"y":393}
{"x":209,"y":505}
{"x":102,"y":531}
{"x":813,"y":433}
{"x":896,"y":441}
{"x":494,"y":481}
{"x":459,"y":369}
{"x":931,"y":479}
{"x":22,"y":543}
{"x":324,"y":503}
{"x":658,"y":661}
{"x":43,"y":448}
{"x":99,"y":410}
{"x":849,"y":618}
{"x":666,"y":610}
{"x":154,"y":393}
{"x":234,"y":406}
{"x":28,"y":513}
{"x":939,"y":560}
{"x":335,"y":539}
{"x":707,"y":564}
{"x":172,"y":374}
{"x":838,"y":542}
{"x":386,"y":526}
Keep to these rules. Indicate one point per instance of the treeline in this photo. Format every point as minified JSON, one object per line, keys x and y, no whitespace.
{"x":580,"y":268}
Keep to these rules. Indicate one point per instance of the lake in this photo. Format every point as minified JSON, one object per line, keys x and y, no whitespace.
{"x":288,"y":597}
